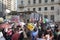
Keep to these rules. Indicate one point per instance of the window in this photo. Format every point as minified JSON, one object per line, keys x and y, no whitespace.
{"x":28,"y":1}
{"x":52,"y":8}
{"x":22,"y":2}
{"x":34,"y":9}
{"x":52,"y":0}
{"x":45,"y":8}
{"x":46,"y":1}
{"x":52,"y":17}
{"x":39,"y":9}
{"x":45,"y":16}
{"x":34,"y":1}
{"x":39,"y":1}
{"x":28,"y":9}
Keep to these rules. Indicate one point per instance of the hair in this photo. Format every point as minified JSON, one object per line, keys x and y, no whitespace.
{"x":50,"y":33}
{"x":28,"y":21}
{"x":16,"y":29}
{"x":18,"y":26}
{"x":39,"y":34}
{"x":35,"y":29}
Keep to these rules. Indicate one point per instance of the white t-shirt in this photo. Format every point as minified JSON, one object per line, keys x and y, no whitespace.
{"x":40,"y":39}
{"x":48,"y":37}
{"x":1,"y":34}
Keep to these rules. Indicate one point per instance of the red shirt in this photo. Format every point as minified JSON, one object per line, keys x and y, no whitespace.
{"x":15,"y":36}
{"x":9,"y":32}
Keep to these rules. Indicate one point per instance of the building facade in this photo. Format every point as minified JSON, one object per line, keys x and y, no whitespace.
{"x":48,"y":8}
{"x":7,"y":4}
{"x":11,"y":4}
{"x":2,"y":8}
{"x":14,"y":5}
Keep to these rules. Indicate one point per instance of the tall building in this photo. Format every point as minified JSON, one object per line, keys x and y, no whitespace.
{"x":11,"y":4}
{"x":7,"y":4}
{"x":14,"y":5}
{"x":48,"y":8}
{"x":1,"y":8}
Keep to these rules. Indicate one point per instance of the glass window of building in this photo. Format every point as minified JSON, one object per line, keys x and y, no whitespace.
{"x":46,"y":1}
{"x":40,"y":1}
{"x":22,"y":2}
{"x":34,"y":9}
{"x":39,"y":9}
{"x":45,"y":16}
{"x":52,"y":17}
{"x":28,"y":1}
{"x":52,"y":0}
{"x":52,"y":8}
{"x":28,"y":9}
{"x":34,"y":1}
{"x":45,"y":8}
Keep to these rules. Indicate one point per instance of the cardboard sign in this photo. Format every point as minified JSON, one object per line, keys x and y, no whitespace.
{"x":30,"y":26}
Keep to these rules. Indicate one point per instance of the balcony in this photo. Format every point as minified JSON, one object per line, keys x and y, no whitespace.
{"x":21,"y":6}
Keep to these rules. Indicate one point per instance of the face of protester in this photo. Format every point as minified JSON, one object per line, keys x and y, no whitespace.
{"x":48,"y":30}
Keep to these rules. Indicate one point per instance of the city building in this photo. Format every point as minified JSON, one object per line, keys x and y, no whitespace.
{"x":0,"y":6}
{"x":14,"y":5}
{"x":11,"y":4}
{"x":7,"y":4}
{"x":48,"y":8}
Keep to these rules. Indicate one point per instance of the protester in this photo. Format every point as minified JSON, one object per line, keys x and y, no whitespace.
{"x":40,"y":36}
{"x":34,"y":34}
{"x":1,"y":35}
{"x":21,"y":37}
{"x":29,"y":31}
{"x":16,"y":35}
{"x":49,"y":34}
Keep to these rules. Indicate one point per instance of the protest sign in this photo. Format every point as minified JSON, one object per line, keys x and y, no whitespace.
{"x":30,"y":26}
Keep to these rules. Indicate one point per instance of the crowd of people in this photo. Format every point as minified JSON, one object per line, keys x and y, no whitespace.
{"x":38,"y":31}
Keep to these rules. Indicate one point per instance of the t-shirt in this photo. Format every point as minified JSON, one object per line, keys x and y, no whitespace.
{"x":34,"y":33}
{"x":15,"y":36}
{"x":40,"y":39}
{"x":1,"y":34}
